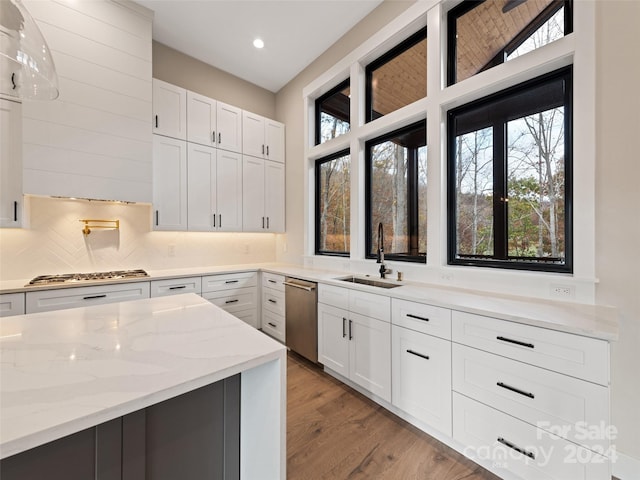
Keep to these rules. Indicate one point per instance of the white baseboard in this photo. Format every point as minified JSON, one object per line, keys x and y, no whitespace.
{"x":626,"y":467}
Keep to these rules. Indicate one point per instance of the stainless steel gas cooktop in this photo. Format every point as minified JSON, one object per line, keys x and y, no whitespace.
{"x":86,"y":277}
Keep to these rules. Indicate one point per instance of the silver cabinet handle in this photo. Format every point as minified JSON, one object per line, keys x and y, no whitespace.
{"x":301,"y":287}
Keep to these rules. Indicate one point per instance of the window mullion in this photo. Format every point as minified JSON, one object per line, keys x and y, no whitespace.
{"x":412,"y":200}
{"x":500,"y":199}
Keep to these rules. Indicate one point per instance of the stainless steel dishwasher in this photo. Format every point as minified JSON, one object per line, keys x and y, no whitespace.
{"x":301,"y":302}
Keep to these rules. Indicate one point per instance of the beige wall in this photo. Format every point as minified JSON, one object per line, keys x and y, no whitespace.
{"x":179,"y":69}
{"x":289,"y":110}
{"x":617,"y":203}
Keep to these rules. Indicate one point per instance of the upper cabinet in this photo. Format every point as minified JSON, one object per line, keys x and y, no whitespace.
{"x":213,"y":123}
{"x":262,"y":137}
{"x":169,"y":183}
{"x":94,"y":141}
{"x":10,"y":163}
{"x":169,"y":110}
{"x":263,"y":195}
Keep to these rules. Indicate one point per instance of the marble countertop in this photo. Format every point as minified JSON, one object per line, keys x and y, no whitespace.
{"x":595,"y":321}
{"x":68,"y":370}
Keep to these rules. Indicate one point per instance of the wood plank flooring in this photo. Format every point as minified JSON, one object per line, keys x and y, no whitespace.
{"x":333,"y":432}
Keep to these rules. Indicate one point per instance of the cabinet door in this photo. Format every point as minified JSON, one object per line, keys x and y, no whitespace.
{"x":11,"y":304}
{"x":201,"y":119}
{"x":370,"y":354}
{"x":253,"y":217}
{"x":422,"y":377}
{"x":229,"y":127}
{"x":169,"y":110}
{"x":169,"y":183}
{"x":253,"y":135}
{"x":229,"y":191}
{"x":274,"y":196}
{"x":333,"y":339}
{"x":201,"y":174}
{"x":274,"y":140}
{"x":10,"y":163}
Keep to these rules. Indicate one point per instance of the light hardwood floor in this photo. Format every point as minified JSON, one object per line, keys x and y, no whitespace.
{"x":333,"y":432}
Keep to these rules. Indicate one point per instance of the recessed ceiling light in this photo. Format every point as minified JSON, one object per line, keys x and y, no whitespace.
{"x":258,"y":43}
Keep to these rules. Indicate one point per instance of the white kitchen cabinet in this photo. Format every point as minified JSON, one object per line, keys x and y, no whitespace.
{"x":176,"y":286}
{"x":169,"y":183}
{"x":169,"y":110}
{"x":421,"y":377}
{"x":263,"y":208}
{"x":262,"y":137}
{"x":237,"y":293}
{"x":273,"y":306}
{"x":356,"y":346}
{"x":10,"y":163}
{"x":229,"y":124}
{"x":213,"y":123}
{"x":11,"y":304}
{"x":214,"y":189}
{"x":62,"y":298}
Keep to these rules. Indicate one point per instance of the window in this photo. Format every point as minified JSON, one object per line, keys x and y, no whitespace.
{"x":332,"y":113}
{"x":487,"y":33}
{"x":510,"y":177}
{"x":398,"y":78}
{"x":396,"y":193}
{"x":333,"y":204}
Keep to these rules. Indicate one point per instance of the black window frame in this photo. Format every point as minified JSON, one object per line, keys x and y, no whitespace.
{"x":318,"y":111}
{"x":500,"y":208}
{"x":318,"y":163}
{"x":501,"y":57}
{"x":412,"y":197}
{"x":385,"y":58}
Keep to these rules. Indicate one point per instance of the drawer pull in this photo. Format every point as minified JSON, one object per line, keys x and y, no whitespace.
{"x":178,"y":287}
{"x":231,"y":281}
{"x":272,"y":325}
{"x":417,"y":317}
{"x":426,"y":357}
{"x":531,"y":455}
{"x":271,"y":281}
{"x":271,"y":300}
{"x":231,"y":301}
{"x":509,"y":340}
{"x":516,"y":390}
{"x":92,"y":297}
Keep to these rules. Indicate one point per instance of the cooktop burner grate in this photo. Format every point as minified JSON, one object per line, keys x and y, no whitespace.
{"x":85,"y":277}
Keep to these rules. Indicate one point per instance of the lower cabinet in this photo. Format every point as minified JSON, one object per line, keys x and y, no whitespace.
{"x":236,"y":293}
{"x":356,"y":347}
{"x":61,"y":298}
{"x":192,"y":436}
{"x":11,"y":304}
{"x":422,"y":377}
{"x":273,"y":306}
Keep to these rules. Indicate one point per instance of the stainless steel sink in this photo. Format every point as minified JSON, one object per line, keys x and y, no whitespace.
{"x":368,"y":281}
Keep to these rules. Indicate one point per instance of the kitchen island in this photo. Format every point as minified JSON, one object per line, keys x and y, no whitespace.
{"x":101,"y":371}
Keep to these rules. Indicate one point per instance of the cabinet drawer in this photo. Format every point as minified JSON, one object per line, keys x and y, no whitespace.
{"x":370,"y":305}
{"x":421,"y":377}
{"x":11,"y":304}
{"x":273,"y":281}
{"x":248,"y":316}
{"x":492,"y":437}
{"x":48,"y":300}
{"x":175,"y":286}
{"x":214,"y":283}
{"x":422,"y":318}
{"x":234,"y":300}
{"x":540,"y":397}
{"x":273,"y":325}
{"x":273,"y":301}
{"x":575,"y":355}
{"x":335,"y":296}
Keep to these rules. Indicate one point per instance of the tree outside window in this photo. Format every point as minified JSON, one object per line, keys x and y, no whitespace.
{"x":333,"y":204}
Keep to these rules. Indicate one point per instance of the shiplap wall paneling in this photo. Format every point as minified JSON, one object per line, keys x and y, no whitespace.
{"x":94,"y":141}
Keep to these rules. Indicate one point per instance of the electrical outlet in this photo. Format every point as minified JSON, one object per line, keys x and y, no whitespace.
{"x":171,"y":250}
{"x":562,"y":291}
